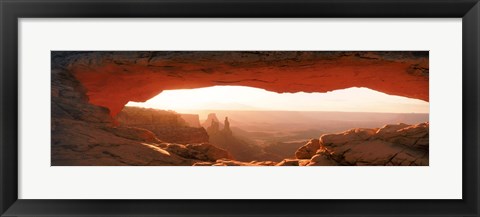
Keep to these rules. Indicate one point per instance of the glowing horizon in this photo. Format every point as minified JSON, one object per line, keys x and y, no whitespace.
{"x":255,"y":99}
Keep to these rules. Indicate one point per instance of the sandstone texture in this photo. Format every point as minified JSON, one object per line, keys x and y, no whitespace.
{"x":112,"y":79}
{"x":391,"y":145}
{"x":308,"y":150}
{"x":229,"y":162}
{"x":83,"y":134}
{"x":203,"y":152}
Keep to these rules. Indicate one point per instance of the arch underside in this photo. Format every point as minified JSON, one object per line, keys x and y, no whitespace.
{"x":112,"y":79}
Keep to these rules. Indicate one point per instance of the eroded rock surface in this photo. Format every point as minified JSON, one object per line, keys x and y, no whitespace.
{"x":229,"y":162}
{"x":308,"y":150}
{"x":391,"y":145}
{"x":112,"y":79}
{"x":202,"y":152}
{"x":86,"y":135}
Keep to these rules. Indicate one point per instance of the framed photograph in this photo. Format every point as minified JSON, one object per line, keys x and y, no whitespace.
{"x":239,"y":108}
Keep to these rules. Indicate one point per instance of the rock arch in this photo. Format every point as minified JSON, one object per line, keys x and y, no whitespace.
{"x":112,"y":79}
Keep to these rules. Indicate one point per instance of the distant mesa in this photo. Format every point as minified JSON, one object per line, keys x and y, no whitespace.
{"x":168,"y":126}
{"x":215,"y":126}
{"x":212,"y":117}
{"x":221,"y":135}
{"x":192,"y":120}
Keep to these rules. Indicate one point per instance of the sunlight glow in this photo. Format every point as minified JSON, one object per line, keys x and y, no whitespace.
{"x":248,"y":98}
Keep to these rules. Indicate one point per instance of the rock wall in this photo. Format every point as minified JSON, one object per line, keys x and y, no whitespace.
{"x":83,"y":134}
{"x":112,"y":79}
{"x":168,"y":126}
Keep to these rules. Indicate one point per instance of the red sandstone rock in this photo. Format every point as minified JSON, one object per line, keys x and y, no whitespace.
{"x":289,"y":162}
{"x":228,"y":162}
{"x":308,"y":150}
{"x":114,"y":78}
{"x":347,"y":136}
{"x":134,"y":133}
{"x":212,"y":152}
{"x":321,"y":160}
{"x":202,"y":152}
{"x":391,"y":145}
{"x":203,"y":164}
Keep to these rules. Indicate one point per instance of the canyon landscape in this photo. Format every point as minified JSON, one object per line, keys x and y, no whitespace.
{"x":239,"y":108}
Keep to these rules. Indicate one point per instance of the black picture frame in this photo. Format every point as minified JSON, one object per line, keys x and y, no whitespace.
{"x":12,"y":10}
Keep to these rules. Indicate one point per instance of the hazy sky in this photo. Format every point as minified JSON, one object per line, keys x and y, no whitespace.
{"x":248,"y":98}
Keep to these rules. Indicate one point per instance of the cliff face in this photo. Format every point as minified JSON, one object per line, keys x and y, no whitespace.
{"x":83,"y":134}
{"x":112,"y":79}
{"x":192,"y":120}
{"x":168,"y":126}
